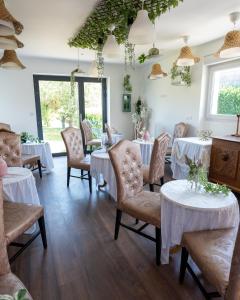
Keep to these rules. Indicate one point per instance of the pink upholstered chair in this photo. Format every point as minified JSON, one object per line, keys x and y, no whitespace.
{"x":154,"y":173}
{"x":217,"y":254}
{"x":109,"y":133}
{"x":9,"y":283}
{"x":131,"y":199}
{"x":87,"y":134}
{"x":72,"y":138}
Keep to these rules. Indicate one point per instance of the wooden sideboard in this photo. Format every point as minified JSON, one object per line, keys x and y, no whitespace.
{"x":225,"y":162}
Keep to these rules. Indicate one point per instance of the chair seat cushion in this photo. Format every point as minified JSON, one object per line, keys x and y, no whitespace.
{"x":29,"y":159}
{"x":10,"y":284}
{"x":94,"y":142}
{"x":145,"y":206}
{"x":212,"y":251}
{"x":83,"y":164}
{"x":18,"y":217}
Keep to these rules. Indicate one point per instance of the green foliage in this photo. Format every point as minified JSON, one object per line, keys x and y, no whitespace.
{"x":19,"y":295}
{"x":126,"y":84}
{"x":96,"y":122}
{"x":116,"y":12}
{"x":183,"y":72}
{"x":27,"y":137}
{"x":229,"y":101}
{"x":153,"y":52}
{"x":142,"y":58}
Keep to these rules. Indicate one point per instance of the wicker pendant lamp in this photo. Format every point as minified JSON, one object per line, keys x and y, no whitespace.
{"x":8,"y":24}
{"x":231,"y":46}
{"x":10,"y":42}
{"x":157,"y":72}
{"x":186,"y":57}
{"x":10,"y":61}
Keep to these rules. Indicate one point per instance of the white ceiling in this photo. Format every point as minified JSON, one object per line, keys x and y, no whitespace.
{"x":48,"y":24}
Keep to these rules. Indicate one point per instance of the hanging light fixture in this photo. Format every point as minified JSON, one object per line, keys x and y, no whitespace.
{"x":142,"y":30}
{"x":8,"y":24}
{"x":186,"y":57}
{"x":111,"y":48}
{"x":10,"y":61}
{"x":157,"y":72}
{"x":231,"y":46}
{"x":10,"y":42}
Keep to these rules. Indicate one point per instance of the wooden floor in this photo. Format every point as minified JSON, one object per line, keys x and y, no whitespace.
{"x":83,"y":261}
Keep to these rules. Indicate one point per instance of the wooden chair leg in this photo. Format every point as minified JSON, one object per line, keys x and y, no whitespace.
{"x":117,"y":224}
{"x":39,"y":167}
{"x":90,"y":182}
{"x":162,"y":181}
{"x":151,"y":187}
{"x":41,"y":224}
{"x":68,"y":175}
{"x":183,"y":266}
{"x":158,"y":245}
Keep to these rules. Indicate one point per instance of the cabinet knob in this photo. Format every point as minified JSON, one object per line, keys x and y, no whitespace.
{"x":225,"y":157}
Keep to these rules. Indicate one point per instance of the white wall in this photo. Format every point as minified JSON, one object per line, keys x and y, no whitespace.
{"x":17,"y":102}
{"x":172,"y":104}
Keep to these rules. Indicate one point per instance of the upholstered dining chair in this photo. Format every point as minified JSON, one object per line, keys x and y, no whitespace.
{"x":180,"y":131}
{"x":217,"y":255}
{"x":153,"y":174}
{"x":5,"y":126}
{"x":131,"y":199}
{"x":9,"y":283}
{"x":109,"y":133}
{"x":10,"y":149}
{"x":72,"y":138}
{"x":87,"y":134}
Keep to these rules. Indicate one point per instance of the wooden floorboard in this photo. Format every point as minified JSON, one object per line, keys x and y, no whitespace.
{"x":83,"y":261}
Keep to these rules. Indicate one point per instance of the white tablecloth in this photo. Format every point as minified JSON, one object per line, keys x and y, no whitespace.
{"x":19,"y":186}
{"x":42,"y":149}
{"x":183,"y":210}
{"x":101,"y":169}
{"x":116,"y":137}
{"x":146,"y":150}
{"x":194,"y":148}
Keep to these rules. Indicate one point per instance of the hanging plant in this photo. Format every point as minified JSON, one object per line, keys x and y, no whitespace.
{"x":129,"y":55}
{"x":100,"y":63}
{"x":153,"y":52}
{"x":181,"y":75}
{"x":126,"y":84}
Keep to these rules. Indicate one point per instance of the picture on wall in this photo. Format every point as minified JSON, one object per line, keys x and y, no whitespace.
{"x":126,"y":103}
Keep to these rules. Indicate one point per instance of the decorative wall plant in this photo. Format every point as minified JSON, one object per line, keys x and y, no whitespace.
{"x":181,"y":75}
{"x":118,"y":12}
{"x":127,"y":84}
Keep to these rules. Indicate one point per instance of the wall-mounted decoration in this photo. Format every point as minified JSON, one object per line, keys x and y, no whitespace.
{"x":126,"y":102}
{"x":181,"y":76}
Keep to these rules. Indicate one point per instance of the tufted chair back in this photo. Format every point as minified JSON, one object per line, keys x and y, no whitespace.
{"x":127,"y":164}
{"x":10,"y":148}
{"x":4,"y":264}
{"x":180,"y":130}
{"x":5,"y":126}
{"x":233,"y":289}
{"x":72,"y":138}
{"x":157,"y":163}
{"x":86,"y":131}
{"x":109,"y":133}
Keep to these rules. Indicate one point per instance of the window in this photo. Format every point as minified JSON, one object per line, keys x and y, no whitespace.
{"x":224,"y":89}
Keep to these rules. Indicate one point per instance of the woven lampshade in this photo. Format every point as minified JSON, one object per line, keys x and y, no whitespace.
{"x":8,"y":24}
{"x":10,"y":42}
{"x":157,"y":72}
{"x":231,"y":46}
{"x":186,"y":58}
{"x":11,"y":61}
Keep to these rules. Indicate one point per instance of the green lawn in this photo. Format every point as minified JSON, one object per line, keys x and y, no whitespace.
{"x":52,"y":134}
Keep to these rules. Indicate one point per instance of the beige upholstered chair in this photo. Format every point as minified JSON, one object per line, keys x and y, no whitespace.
{"x":9,"y":283}
{"x":87,"y":134}
{"x":5,"y":126}
{"x":180,"y":131}
{"x":72,"y":138}
{"x":154,"y":173}
{"x":109,"y":133}
{"x":217,"y":254}
{"x":131,"y":199}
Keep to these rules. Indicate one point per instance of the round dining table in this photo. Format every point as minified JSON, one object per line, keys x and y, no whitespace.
{"x":116,"y":137}
{"x":146,"y":150}
{"x":44,"y":151}
{"x":101,"y":169}
{"x":19,"y":186}
{"x":185,"y":210}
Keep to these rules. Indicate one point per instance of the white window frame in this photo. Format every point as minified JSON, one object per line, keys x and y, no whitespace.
{"x":211,"y":69}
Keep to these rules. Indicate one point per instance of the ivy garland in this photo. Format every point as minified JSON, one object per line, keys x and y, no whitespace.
{"x":121,"y":13}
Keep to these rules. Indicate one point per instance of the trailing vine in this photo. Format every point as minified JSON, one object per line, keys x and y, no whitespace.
{"x":122,"y":13}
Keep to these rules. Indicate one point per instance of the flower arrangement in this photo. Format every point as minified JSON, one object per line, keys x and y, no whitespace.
{"x":204,"y":135}
{"x":140,"y":118}
{"x":27,"y":137}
